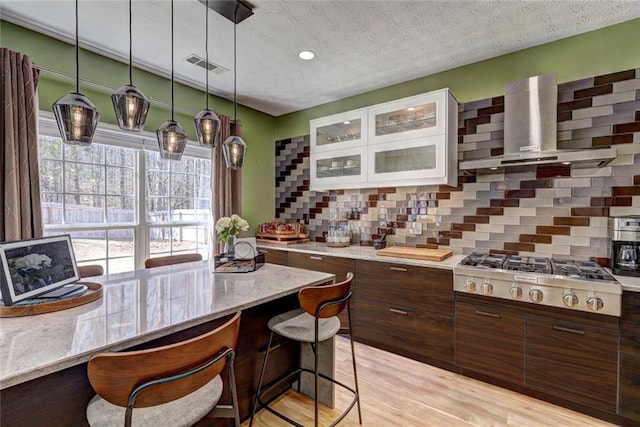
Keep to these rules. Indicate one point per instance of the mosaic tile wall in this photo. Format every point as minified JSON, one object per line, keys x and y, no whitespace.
{"x":543,"y":210}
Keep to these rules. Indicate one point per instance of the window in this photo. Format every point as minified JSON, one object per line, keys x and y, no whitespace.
{"x":119,"y":201}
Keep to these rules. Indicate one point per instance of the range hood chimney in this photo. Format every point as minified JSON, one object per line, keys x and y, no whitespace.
{"x":530,"y":130}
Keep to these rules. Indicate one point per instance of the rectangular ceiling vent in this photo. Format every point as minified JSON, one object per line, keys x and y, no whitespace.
{"x":200,"y":62}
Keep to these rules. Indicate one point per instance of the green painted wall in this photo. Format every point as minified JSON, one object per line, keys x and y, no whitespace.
{"x":258,"y":195}
{"x":603,"y":51}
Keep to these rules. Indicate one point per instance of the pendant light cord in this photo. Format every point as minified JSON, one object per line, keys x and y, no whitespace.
{"x":172,"y":100}
{"x":206,"y":52}
{"x":235,"y":62}
{"x":77,"y":54}
{"x":130,"y":49}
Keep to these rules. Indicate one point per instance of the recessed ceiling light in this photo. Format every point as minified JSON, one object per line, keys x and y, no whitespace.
{"x":346,"y":122}
{"x":307,"y":55}
{"x":494,"y":169}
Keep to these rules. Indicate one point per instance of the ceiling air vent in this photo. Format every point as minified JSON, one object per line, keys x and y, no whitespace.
{"x":200,"y":62}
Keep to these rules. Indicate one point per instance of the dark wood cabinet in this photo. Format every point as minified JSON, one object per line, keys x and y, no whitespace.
{"x":629,"y":384}
{"x":327,"y":264}
{"x":275,"y":256}
{"x":405,"y":309}
{"x":490,"y":340}
{"x":572,"y":360}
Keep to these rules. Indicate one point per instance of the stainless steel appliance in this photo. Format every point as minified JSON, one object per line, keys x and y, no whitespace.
{"x":564,"y":283}
{"x":625,"y":246}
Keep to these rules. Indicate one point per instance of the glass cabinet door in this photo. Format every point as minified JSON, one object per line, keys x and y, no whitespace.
{"x":408,"y":160}
{"x":339,"y":131}
{"x":339,"y":169}
{"x":408,"y":118}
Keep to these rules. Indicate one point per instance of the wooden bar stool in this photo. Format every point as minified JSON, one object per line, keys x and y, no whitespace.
{"x":172,"y":385}
{"x":171,"y":259}
{"x":90,"y":270}
{"x":315,"y":322}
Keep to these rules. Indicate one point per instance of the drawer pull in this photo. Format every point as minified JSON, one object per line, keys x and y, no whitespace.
{"x":395,"y":310}
{"x":488,"y":314}
{"x":317,"y":258}
{"x":398,"y":269}
{"x":570,"y":330}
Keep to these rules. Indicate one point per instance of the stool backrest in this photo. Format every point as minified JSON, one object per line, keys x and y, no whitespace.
{"x":312,"y":297}
{"x":171,"y":259}
{"x":115,"y":375}
{"x":90,"y":270}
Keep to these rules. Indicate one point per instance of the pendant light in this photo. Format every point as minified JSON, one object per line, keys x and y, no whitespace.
{"x":206,"y":121}
{"x":129,"y":103}
{"x":75,"y":114}
{"x":172,"y":138}
{"x":234,"y":148}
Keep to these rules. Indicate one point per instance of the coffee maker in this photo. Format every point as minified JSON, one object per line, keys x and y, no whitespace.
{"x":625,"y":254}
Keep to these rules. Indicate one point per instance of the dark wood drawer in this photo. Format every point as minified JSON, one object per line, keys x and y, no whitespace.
{"x":428,"y":289}
{"x":327,"y":264}
{"x":630,"y":323}
{"x":490,"y":340}
{"x":409,"y":332}
{"x":275,"y":256}
{"x":573,"y":361}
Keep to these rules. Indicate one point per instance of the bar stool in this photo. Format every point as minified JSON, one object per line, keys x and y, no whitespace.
{"x":172,"y":385}
{"x":315,"y":322}
{"x":90,"y":270}
{"x":171,"y":259}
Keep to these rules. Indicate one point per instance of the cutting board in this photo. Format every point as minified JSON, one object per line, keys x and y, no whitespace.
{"x":415,"y":253}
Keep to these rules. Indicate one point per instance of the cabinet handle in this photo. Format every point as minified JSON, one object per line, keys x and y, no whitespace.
{"x":264,"y":251}
{"x":395,"y":310}
{"x":488,"y":314}
{"x":317,"y":258}
{"x":570,"y":330}
{"x":398,"y":269}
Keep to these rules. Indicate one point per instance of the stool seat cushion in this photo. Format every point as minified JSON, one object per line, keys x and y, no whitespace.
{"x":185,"y":411}
{"x":300,"y":326}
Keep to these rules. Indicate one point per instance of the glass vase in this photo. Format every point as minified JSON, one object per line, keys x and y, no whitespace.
{"x":229,"y":250}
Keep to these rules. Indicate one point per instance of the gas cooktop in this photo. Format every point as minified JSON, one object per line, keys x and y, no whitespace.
{"x":564,"y":283}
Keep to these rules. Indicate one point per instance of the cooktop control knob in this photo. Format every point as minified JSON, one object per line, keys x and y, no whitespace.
{"x":594,"y":303}
{"x":570,"y":299}
{"x":515,"y":292}
{"x":486,"y":288}
{"x":536,"y":295}
{"x":470,"y":285}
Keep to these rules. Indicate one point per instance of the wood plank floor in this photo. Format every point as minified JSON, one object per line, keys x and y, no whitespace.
{"x":396,"y":391}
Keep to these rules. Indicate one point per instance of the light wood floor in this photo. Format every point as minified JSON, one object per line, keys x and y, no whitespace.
{"x":396,"y":391}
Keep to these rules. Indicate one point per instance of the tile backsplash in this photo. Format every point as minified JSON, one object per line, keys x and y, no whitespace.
{"x":548,"y":210}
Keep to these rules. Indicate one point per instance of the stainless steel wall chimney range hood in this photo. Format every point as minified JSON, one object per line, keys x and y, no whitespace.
{"x":530,"y":131}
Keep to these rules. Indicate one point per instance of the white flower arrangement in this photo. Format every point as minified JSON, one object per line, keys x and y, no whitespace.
{"x":228,"y":227}
{"x":32,"y":262}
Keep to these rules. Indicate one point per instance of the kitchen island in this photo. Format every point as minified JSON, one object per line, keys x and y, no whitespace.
{"x":43,"y":358}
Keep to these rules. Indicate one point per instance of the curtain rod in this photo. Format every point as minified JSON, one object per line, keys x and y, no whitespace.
{"x":107,"y":88}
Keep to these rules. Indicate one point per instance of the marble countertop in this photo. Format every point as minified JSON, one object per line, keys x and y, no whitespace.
{"x":137,"y":307}
{"x":630,"y":284}
{"x":361,"y":252}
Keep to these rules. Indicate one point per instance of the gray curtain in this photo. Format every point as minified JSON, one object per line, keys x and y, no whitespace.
{"x":226,"y":184}
{"x":20,"y":211}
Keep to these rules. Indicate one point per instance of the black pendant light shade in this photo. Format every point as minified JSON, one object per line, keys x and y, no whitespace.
{"x":172,"y":140}
{"x":131,"y":107}
{"x":234,"y":148}
{"x":130,"y":104}
{"x":75,"y":114}
{"x":77,"y":119}
{"x":207,"y":128}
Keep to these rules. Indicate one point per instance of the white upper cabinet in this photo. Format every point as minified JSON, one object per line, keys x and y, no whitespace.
{"x":408,"y":118}
{"x":339,"y":131}
{"x":411,"y":141}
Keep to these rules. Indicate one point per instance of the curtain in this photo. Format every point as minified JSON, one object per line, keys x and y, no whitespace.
{"x":20,"y":210}
{"x":226,"y":184}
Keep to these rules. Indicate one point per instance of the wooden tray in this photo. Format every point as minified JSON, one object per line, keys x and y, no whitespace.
{"x":279,"y":236}
{"x":93,"y":293}
{"x":282,"y":242}
{"x":415,"y":253}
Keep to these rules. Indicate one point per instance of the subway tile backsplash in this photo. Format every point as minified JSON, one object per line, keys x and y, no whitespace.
{"x":547,"y":210}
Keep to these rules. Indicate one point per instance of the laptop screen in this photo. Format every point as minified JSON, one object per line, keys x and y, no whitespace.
{"x":36,"y":266}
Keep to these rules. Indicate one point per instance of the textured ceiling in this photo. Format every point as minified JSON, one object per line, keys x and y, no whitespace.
{"x":360,"y":45}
